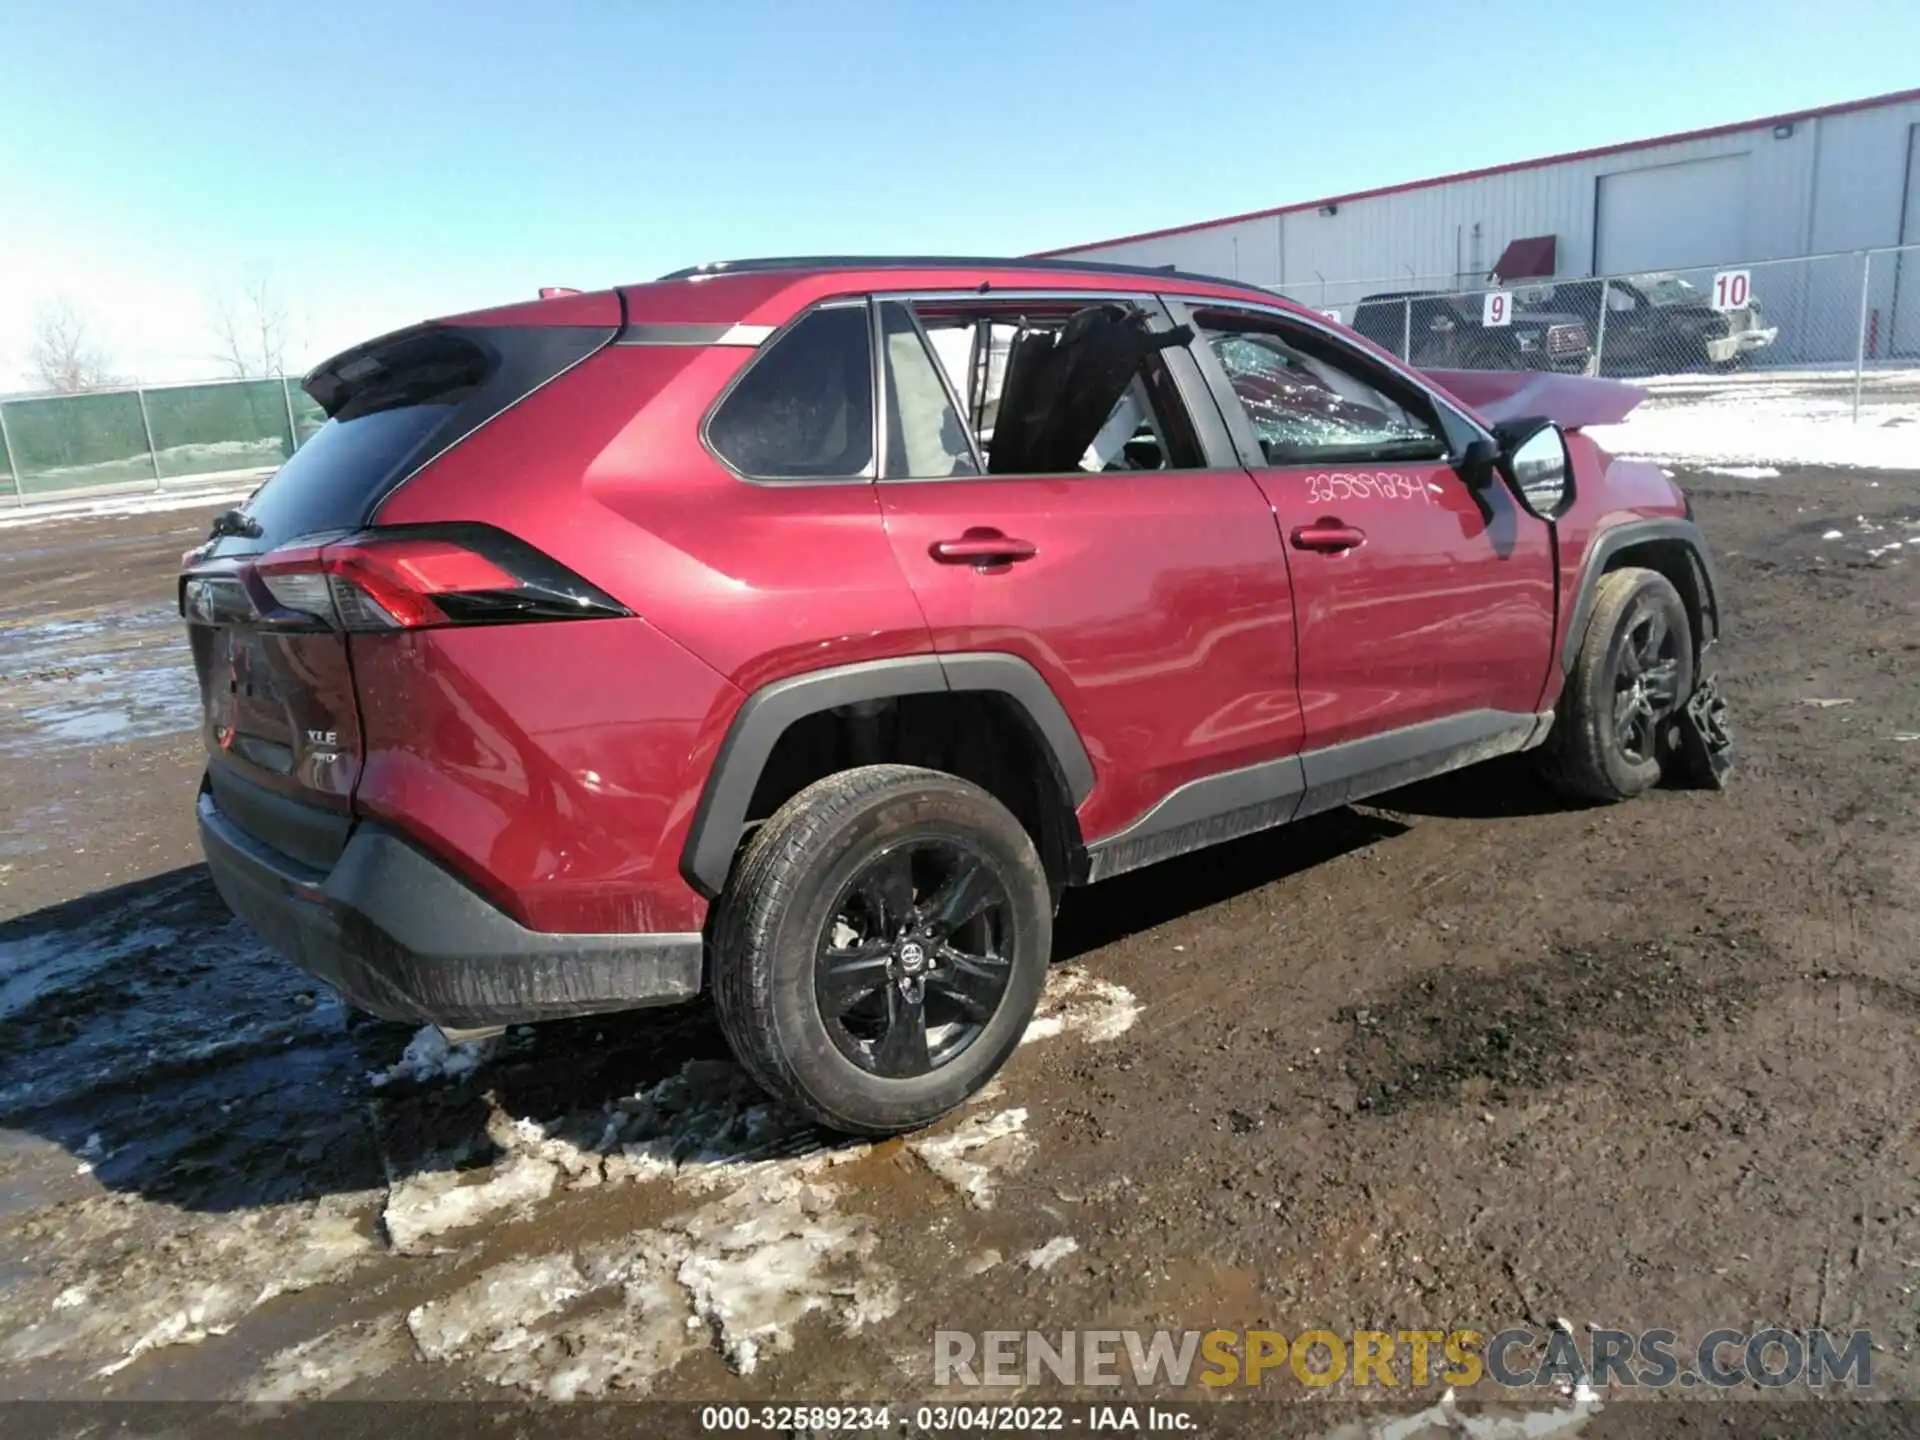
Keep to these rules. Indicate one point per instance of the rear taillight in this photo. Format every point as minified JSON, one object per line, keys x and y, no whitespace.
{"x":418,"y":577}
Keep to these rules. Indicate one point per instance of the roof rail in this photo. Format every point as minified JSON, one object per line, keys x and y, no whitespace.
{"x":764,"y":264}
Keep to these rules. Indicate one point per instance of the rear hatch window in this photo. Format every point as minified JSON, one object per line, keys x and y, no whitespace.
{"x":392,"y":405}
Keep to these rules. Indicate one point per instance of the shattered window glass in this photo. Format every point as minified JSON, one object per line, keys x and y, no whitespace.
{"x":1302,"y":407}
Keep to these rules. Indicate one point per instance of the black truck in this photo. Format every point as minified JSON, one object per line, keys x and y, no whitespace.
{"x":1429,"y":329}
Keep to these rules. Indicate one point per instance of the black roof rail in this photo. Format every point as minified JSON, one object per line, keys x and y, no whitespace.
{"x":764,"y":264}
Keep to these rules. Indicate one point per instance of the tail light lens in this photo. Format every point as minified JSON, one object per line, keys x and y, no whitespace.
{"x":417,"y":577}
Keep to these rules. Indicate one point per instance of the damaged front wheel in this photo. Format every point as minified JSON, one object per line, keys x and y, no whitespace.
{"x":1613,"y":737}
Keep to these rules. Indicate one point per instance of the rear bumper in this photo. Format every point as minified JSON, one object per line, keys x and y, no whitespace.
{"x":1740,"y":343}
{"x":402,"y":937}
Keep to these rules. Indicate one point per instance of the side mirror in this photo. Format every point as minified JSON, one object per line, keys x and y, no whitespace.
{"x":1534,"y":455}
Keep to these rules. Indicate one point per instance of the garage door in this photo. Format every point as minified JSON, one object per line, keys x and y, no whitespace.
{"x":1671,"y":217}
{"x":1906,"y":283}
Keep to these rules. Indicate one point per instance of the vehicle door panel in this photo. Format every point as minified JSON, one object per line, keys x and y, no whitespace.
{"x":1443,"y":607}
{"x":1155,"y":603}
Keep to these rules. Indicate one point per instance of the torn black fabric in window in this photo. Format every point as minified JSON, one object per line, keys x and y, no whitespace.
{"x":1062,"y":387}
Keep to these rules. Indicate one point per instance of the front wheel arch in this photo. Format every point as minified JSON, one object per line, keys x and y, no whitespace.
{"x":1669,"y":545}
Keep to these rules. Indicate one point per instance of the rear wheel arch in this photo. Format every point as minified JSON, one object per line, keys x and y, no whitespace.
{"x":987,"y":717}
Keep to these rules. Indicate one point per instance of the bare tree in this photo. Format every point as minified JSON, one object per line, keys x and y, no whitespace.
{"x":253,"y":327}
{"x":63,"y":351}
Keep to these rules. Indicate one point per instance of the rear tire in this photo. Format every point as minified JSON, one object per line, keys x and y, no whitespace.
{"x":881,"y":947}
{"x":1612,"y":737}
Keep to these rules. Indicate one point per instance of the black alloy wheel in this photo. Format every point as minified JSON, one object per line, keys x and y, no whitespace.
{"x":1646,"y":682}
{"x":914,"y":961}
{"x":1617,"y":721}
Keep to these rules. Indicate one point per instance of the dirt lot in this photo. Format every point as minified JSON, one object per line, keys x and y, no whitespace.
{"x":1466,"y":1058}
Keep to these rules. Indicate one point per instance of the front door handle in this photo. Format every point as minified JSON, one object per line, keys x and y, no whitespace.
{"x":983,"y":547}
{"x":1328,"y":536}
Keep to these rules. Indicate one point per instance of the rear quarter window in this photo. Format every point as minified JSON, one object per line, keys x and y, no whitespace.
{"x":803,"y":410}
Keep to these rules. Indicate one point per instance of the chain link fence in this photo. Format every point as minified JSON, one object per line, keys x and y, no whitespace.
{"x":1847,"y":312}
{"x":147,"y":437}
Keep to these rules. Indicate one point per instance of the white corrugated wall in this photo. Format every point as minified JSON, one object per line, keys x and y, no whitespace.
{"x":1838,"y":182}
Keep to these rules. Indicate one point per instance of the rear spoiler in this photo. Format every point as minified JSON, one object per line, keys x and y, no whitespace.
{"x":419,"y":360}
{"x":456,"y":350}
{"x":1570,"y":401}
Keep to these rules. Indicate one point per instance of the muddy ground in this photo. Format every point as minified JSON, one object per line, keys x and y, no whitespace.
{"x":1464,"y":1058}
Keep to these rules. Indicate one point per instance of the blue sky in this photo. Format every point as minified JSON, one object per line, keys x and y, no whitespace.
{"x":386,"y":162}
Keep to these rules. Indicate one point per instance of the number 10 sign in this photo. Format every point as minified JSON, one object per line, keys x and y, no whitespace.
{"x":1731,"y":289}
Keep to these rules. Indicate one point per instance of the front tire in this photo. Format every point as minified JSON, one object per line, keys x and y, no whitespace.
{"x":881,"y":947}
{"x":1612,"y":736}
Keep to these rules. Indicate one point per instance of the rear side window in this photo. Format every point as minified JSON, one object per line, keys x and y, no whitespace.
{"x":925,"y":437}
{"x":804,"y":408}
{"x":1050,"y":388}
{"x":392,"y":405}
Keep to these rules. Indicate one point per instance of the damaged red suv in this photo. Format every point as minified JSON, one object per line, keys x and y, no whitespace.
{"x":799,"y":630}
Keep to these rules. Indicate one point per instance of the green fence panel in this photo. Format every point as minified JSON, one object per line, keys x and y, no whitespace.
{"x":307,"y":416}
{"x":6,"y":460}
{"x":204,"y":429}
{"x":63,"y":442}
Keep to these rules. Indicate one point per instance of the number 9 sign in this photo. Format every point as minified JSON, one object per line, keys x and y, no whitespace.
{"x":1496,"y":308}
{"x":1731,"y":289}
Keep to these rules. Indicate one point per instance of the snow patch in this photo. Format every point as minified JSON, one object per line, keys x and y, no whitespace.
{"x":422,"y":1207}
{"x":740,"y":1272}
{"x":983,"y":1262}
{"x":493,"y":1312}
{"x":1077,"y":1003}
{"x":430,"y":1057}
{"x":766,"y":1246}
{"x":179,"y":1289}
{"x":107,"y":506}
{"x":765,"y":1257}
{"x":1051,"y":1253}
{"x":1770,"y":420}
{"x":705,"y":1127}
{"x":327,"y":1364}
{"x":975,"y":1154}
{"x":1745,"y":472}
{"x":1489,"y":1422}
{"x":630,"y":1326}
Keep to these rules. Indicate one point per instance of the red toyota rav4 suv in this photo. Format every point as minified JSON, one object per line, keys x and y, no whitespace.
{"x":799,"y":630}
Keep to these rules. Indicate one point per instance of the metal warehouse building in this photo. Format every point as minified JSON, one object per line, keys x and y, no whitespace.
{"x":1830,"y":182}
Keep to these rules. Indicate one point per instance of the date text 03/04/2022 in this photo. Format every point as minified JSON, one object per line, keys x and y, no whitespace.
{"x":970,"y":1419}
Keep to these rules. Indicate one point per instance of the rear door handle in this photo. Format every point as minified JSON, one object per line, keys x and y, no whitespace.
{"x":983,"y":547}
{"x":1329,"y":537}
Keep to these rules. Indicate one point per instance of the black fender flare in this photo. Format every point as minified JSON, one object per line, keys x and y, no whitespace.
{"x":1615,"y":538}
{"x":768,"y":712}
